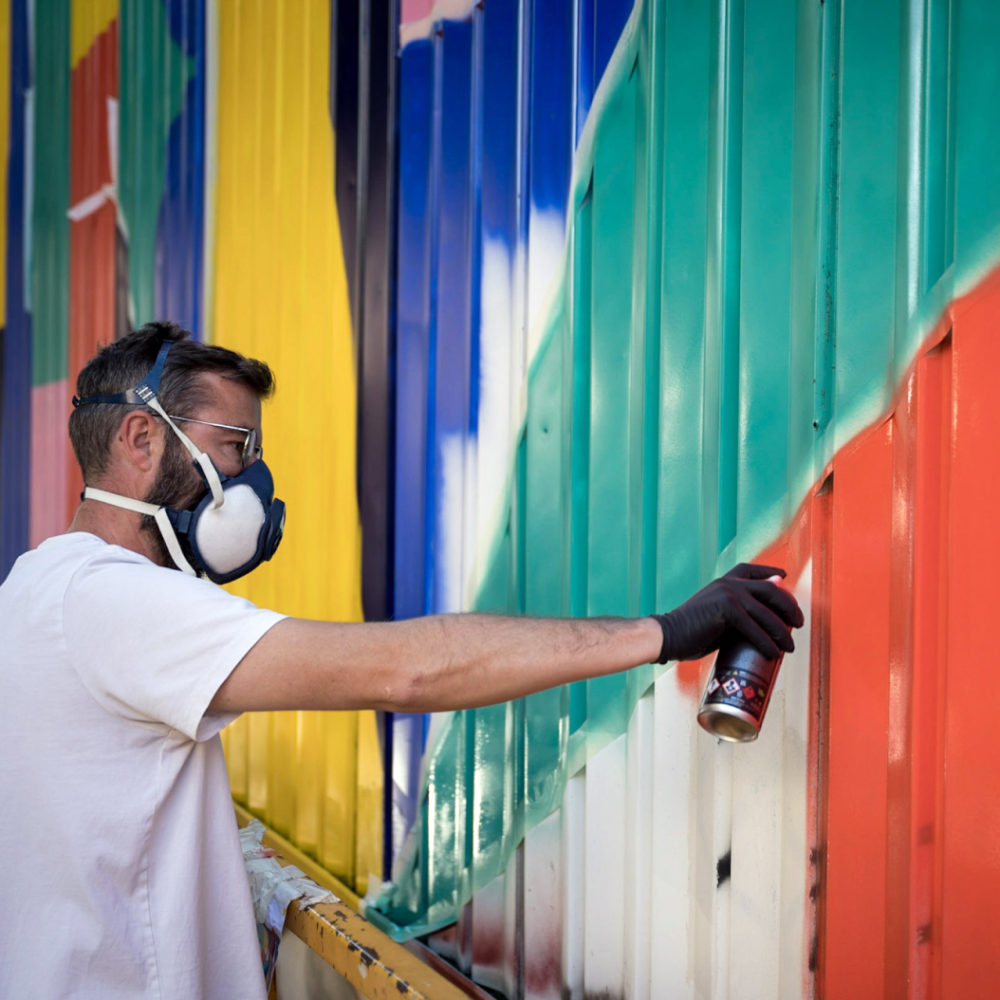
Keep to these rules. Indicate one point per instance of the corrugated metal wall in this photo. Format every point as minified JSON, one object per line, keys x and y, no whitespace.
{"x":132,"y":199}
{"x":772,"y":208}
{"x":662,"y":289}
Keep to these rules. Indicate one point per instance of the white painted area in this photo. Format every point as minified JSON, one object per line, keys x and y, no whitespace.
{"x":627,"y":869}
{"x":795,"y":910}
{"x":572,"y":890}
{"x":543,"y":914}
{"x":455,"y":521}
{"x":606,"y":844}
{"x":638,"y":897}
{"x":671,"y":971}
{"x":756,"y":793}
{"x":501,"y":376}
{"x":546,"y":259}
{"x":712,"y":798}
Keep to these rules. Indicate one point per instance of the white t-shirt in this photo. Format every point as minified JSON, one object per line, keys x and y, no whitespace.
{"x":122,"y":870}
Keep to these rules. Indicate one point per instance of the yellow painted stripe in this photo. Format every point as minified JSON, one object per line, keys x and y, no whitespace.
{"x":280,"y":293}
{"x":4,"y":147}
{"x":88,"y":20}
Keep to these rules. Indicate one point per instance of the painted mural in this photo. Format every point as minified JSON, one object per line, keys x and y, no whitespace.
{"x":604,"y":299}
{"x":134,"y":130}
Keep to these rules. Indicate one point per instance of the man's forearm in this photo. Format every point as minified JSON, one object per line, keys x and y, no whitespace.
{"x":463,"y":661}
{"x":430,"y":664}
{"x":484,"y":659}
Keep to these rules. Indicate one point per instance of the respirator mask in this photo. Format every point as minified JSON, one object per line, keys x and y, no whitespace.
{"x":230,"y":530}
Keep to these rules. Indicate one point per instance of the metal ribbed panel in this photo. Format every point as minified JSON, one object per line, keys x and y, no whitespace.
{"x":93,"y":235}
{"x":766,"y":224}
{"x":15,"y":394}
{"x":279,"y":292}
{"x":161,"y":166}
{"x":487,"y":134}
{"x":49,"y":268}
{"x":117,"y":234}
{"x":758,"y":318}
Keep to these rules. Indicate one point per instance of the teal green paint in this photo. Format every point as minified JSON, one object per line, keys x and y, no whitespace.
{"x":577,"y":514}
{"x":154,"y":76}
{"x":824,"y":325}
{"x":49,"y":263}
{"x":767,"y":174}
{"x":681,"y":51}
{"x":938,"y":152}
{"x":869,"y":198}
{"x":975,"y":74}
{"x":723,"y":289}
{"x":813,"y":214}
{"x":789,"y":262}
{"x":613,"y":396}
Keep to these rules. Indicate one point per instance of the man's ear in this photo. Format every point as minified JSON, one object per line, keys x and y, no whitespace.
{"x":140,"y":437}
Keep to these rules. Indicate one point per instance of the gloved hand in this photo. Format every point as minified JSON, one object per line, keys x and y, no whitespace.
{"x":743,"y":600}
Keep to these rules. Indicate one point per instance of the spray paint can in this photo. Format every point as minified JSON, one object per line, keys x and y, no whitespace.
{"x":738,"y":691}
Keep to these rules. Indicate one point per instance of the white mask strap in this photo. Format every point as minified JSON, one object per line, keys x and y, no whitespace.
{"x":211,"y":474}
{"x":159,"y":514}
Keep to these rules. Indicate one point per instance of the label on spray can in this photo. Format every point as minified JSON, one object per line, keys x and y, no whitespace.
{"x":738,"y":692}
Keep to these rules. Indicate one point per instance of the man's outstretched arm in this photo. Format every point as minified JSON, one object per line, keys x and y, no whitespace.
{"x":443,"y":662}
{"x":429,"y":664}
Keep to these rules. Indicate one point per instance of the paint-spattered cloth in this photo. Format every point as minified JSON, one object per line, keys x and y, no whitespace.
{"x":123,"y":873}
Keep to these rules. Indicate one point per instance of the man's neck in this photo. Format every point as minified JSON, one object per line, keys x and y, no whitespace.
{"x":116,"y":527}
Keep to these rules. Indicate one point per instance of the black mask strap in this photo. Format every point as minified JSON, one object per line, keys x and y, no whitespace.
{"x":140,"y":394}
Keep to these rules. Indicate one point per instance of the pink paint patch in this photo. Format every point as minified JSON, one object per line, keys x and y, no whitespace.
{"x":414,"y":10}
{"x":49,"y":460}
{"x":419,"y":18}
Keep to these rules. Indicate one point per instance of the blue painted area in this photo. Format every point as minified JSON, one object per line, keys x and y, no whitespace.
{"x":586,"y":80}
{"x":413,"y":323}
{"x":599,"y":26}
{"x":551,"y":88}
{"x":180,"y":224}
{"x":609,"y":18}
{"x":486,"y":134}
{"x":414,"y":303}
{"x":15,"y":352}
{"x":182,"y":15}
{"x":500,"y":168}
{"x":454,"y":398}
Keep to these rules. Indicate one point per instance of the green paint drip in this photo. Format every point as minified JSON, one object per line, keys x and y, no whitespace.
{"x":154,"y":76}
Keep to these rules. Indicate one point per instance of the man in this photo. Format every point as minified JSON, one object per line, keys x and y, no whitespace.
{"x":124,"y":873}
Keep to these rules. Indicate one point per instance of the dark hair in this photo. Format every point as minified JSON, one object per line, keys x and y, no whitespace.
{"x":124,"y":363}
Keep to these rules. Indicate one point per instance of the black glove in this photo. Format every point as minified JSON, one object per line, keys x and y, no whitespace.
{"x":743,"y":601}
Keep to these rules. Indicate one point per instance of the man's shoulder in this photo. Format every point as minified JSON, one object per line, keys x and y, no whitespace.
{"x":72,"y":550}
{"x":54,"y":564}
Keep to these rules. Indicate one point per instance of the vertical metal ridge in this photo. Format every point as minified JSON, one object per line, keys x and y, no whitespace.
{"x":433,"y":279}
{"x":652,"y":275}
{"x":937,"y":147}
{"x":15,"y":355}
{"x":580,"y":324}
{"x":722,"y":309}
{"x":931,"y":488}
{"x":825,"y":316}
{"x":732,"y":206}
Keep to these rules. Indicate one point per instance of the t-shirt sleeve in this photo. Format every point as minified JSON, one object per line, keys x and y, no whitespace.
{"x":154,"y":644}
